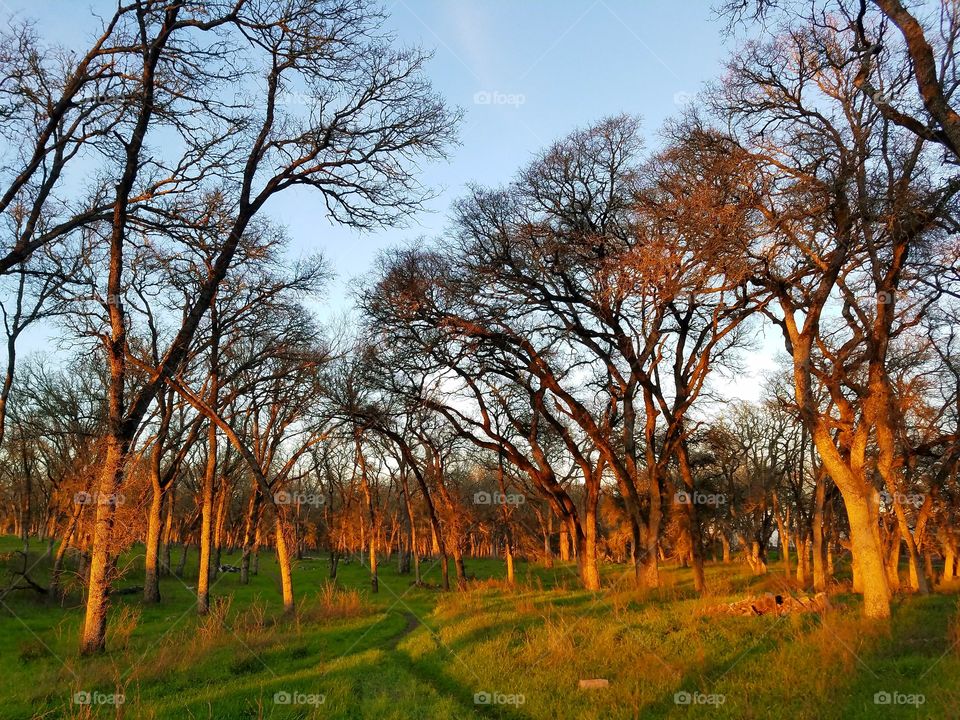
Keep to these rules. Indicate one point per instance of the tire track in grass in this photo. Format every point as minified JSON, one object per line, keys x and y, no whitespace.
{"x":443,"y":685}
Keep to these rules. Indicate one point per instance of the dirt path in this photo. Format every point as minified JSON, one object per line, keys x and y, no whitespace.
{"x":412,"y":624}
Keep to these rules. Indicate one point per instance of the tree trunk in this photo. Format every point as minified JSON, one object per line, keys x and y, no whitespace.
{"x":169,"y":498}
{"x":651,"y":538}
{"x":547,"y":528}
{"x":206,"y":522}
{"x":249,"y":534}
{"x":865,"y":545}
{"x":917,"y":580}
{"x":57,"y":570}
{"x":689,"y":510}
{"x":803,"y":558}
{"x":151,"y":579}
{"x":949,"y":561}
{"x":371,"y":514}
{"x":283,"y":560}
{"x":218,"y":529}
{"x":459,"y":566}
{"x":182,"y":562}
{"x":783,"y":531}
{"x":98,"y":581}
{"x":817,"y":534}
{"x":587,"y":558}
{"x":413,"y":538}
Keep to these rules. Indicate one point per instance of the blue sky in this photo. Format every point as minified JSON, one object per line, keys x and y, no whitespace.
{"x":525,"y":72}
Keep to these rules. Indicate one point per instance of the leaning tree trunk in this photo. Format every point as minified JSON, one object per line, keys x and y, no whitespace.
{"x":57,"y":570}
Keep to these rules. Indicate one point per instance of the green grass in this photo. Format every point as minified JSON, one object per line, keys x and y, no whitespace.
{"x":420,"y":653}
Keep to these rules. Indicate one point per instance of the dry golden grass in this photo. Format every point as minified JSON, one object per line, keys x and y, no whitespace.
{"x":332,"y":601}
{"x":122,"y":625}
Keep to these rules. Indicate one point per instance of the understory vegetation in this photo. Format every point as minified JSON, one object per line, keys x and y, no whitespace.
{"x":418,"y":652}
